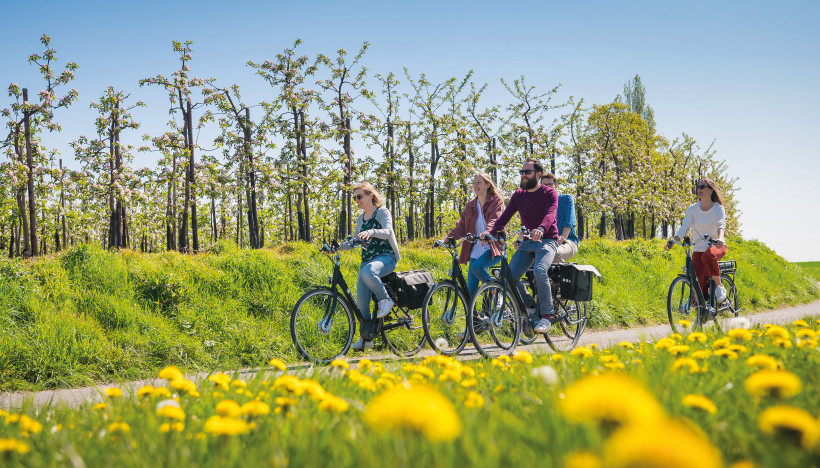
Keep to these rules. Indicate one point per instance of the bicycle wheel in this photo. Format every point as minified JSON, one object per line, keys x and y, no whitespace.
{"x":444,"y":317}
{"x":572,"y":319}
{"x":731,"y":305}
{"x":403,"y":331}
{"x":322,"y":326}
{"x":681,"y":304}
{"x":495,"y":320}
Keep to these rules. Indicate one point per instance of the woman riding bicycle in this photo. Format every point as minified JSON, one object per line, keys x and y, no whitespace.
{"x":379,"y":258}
{"x":485,"y":208}
{"x":706,"y":216}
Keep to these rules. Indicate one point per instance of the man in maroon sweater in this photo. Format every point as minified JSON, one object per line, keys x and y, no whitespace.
{"x":536,"y":204}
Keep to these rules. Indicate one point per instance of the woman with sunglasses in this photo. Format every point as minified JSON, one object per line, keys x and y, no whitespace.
{"x":379,"y":259}
{"x":706,"y":216}
{"x":485,"y":208}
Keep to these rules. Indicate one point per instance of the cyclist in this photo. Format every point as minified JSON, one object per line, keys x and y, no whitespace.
{"x":706,"y":216}
{"x":379,"y":258}
{"x":536,"y":205}
{"x":485,"y":208}
{"x":566,"y":221}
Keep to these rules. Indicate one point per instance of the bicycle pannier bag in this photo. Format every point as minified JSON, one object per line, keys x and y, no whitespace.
{"x":576,"y":283}
{"x":410,"y":287}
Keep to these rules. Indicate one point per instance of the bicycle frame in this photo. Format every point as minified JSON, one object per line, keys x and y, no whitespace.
{"x":703,"y":307}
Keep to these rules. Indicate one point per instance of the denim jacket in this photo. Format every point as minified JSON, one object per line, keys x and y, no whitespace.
{"x":566,"y":216}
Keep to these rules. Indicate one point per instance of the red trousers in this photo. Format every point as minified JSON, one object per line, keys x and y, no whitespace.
{"x":706,"y":265}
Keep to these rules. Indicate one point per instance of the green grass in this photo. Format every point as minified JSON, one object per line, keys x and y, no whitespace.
{"x":628,"y":405}
{"x":812,"y":268}
{"x":88,"y":315}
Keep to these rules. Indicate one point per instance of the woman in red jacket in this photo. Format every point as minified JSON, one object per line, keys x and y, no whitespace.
{"x":487,"y":205}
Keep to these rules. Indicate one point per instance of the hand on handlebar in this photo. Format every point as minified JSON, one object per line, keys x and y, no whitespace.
{"x":536,"y":234}
{"x":364,"y":235}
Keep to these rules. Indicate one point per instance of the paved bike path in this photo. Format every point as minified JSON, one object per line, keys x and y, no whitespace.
{"x":77,"y":396}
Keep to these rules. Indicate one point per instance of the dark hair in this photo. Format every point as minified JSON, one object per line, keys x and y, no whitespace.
{"x":717,"y":197}
{"x":551,"y":176}
{"x":536,"y":164}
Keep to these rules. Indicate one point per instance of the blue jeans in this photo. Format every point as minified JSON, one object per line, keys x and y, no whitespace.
{"x":370,"y":282}
{"x":478,"y":270}
{"x":539,"y":255}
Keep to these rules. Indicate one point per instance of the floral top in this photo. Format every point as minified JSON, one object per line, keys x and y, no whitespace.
{"x":376,"y":246}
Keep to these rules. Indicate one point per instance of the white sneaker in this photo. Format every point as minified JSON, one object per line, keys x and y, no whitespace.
{"x":361,"y":345}
{"x":720,"y":294}
{"x":385,"y":306}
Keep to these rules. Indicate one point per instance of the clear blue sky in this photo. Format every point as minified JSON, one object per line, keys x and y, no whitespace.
{"x":742,"y":74}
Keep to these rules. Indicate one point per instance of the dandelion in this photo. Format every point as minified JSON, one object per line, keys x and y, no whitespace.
{"x":609,"y":399}
{"x":339,"y":364}
{"x":626,"y":344}
{"x":777,"y":332}
{"x":615,"y":365}
{"x":806,"y":334}
{"x":744,"y":464}
{"x":581,"y":351}
{"x":776,"y":383}
{"x":220,"y":425}
{"x":171,"y":373}
{"x":469,"y":383}
{"x":735,"y":323}
{"x":699,"y":402}
{"x":120,"y":427}
{"x":441,"y":343}
{"x":556,"y":357}
{"x":700,"y":337}
{"x":740,"y":334}
{"x":13,"y":445}
{"x":725,"y":353}
{"x":145,"y":391}
{"x":701,"y":354}
{"x":228,"y":408}
{"x":662,"y":444}
{"x":278,"y":364}
{"x":171,"y":412}
{"x":419,"y":409}
{"x":790,"y":422}
{"x":522,"y":357}
{"x":26,"y":424}
{"x":607,"y":358}
{"x":220,"y":380}
{"x":173,"y":426}
{"x":113,"y":392}
{"x":288,"y":383}
{"x":365,"y":365}
{"x":547,"y":374}
{"x":99,"y":407}
{"x":664,"y":343}
{"x":685,"y":323}
{"x":184,"y":385}
{"x":333,"y":404}
{"x":582,"y":460}
{"x":800,"y":323}
{"x":721,"y":343}
{"x":474,"y":400}
{"x":677,"y":349}
{"x":686,"y":363}
{"x":255,"y":408}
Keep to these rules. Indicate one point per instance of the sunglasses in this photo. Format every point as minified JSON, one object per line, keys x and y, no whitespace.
{"x":703,"y":186}
{"x":526,"y":171}
{"x":359,"y":197}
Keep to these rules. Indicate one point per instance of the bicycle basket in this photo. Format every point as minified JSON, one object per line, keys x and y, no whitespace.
{"x":410,"y":287}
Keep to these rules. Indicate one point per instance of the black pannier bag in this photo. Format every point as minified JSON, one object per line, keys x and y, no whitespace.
{"x":576,"y":281}
{"x":410,"y":287}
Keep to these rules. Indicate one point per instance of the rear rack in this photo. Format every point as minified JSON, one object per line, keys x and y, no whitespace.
{"x":729,"y":266}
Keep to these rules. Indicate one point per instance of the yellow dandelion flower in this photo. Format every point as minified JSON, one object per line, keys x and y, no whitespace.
{"x":365,"y":365}
{"x":417,"y":378}
{"x":782,"y":342}
{"x":678,"y":349}
{"x":676,"y":336}
{"x":800,"y":323}
{"x":121,"y":427}
{"x":664,"y":343}
{"x":389,"y":376}
{"x":474,"y":400}
{"x":776,"y":331}
{"x":700,"y":337}
{"x":285,"y":401}
{"x":384,"y":383}
{"x":469,"y":383}
{"x":418,"y":408}
{"x":701,"y":354}
{"x":776,"y":383}
{"x":333,"y":404}
{"x":500,"y":388}
{"x":744,"y":464}
{"x":609,"y":399}
{"x":162,"y":392}
{"x":26,"y":424}
{"x":220,"y":425}
{"x":99,"y":407}
{"x":607,"y":358}
{"x":238,"y":383}
{"x":171,"y":412}
{"x":173,"y":426}
{"x":499,"y":364}
{"x":685,"y":323}
{"x":725,"y":353}
{"x":740,"y":334}
{"x":13,"y":445}
{"x":255,"y":408}
{"x":113,"y":392}
{"x":289,"y":384}
{"x":790,"y":422}
{"x":339,"y":364}
{"x":425,"y":371}
{"x":810,"y":344}
{"x":278,"y":364}
{"x":626,"y":344}
{"x":806,"y":334}
{"x":228,"y":408}
{"x":593,"y":346}
{"x":504,"y":358}
{"x":582,"y":460}
{"x":582,"y":352}
{"x":662,"y":444}
{"x":721,"y":342}
{"x":689,"y":364}
{"x":523,"y":357}
{"x":699,"y":402}
{"x":314,"y":389}
{"x":738,"y":348}
{"x":171,"y":373}
{"x":614,"y":365}
{"x":145,"y":391}
{"x":556,"y":357}
{"x":183,"y":385}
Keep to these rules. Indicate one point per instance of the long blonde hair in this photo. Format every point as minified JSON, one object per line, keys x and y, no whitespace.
{"x":378,"y":199}
{"x":492,"y":189}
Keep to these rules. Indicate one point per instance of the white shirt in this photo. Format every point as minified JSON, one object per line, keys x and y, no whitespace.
{"x":480,"y":226}
{"x":702,"y":222}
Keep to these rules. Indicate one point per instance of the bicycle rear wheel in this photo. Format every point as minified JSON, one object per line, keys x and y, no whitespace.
{"x":681,"y":304}
{"x":495,"y":320}
{"x":730,"y":305}
{"x":572,"y":319}
{"x":322,"y":326}
{"x":403,"y":331}
{"x":444,"y":316}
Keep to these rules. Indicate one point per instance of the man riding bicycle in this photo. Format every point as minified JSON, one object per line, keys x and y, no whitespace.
{"x":536,"y":204}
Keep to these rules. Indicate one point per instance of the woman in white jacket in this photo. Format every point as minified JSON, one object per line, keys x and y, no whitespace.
{"x":381,"y":256}
{"x":706,"y":216}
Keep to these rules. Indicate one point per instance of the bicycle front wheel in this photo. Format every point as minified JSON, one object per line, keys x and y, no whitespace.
{"x":731,"y":304}
{"x":681,"y":304}
{"x":572,"y":319}
{"x":444,"y":316}
{"x":495,"y":320}
{"x":322,"y":326}
{"x":403,"y":331}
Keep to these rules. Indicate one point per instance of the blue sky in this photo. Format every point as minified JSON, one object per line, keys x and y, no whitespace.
{"x":740,"y":73}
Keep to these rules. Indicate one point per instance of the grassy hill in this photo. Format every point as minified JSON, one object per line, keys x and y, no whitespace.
{"x":812,"y":268}
{"x":89,"y":315}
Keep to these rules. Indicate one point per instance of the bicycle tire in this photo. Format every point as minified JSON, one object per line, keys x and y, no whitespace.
{"x":444,"y":316}
{"x":731,"y":295}
{"x":564,"y":335}
{"x":681,"y":304}
{"x":499,"y":338}
{"x":315,"y":345}
{"x":408,"y":339}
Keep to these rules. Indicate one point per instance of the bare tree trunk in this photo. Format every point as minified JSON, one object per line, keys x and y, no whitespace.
{"x":253,"y":220}
{"x":192,"y":179}
{"x":411,"y":215}
{"x":305,"y":185}
{"x":32,"y":210}
{"x":347,"y":195}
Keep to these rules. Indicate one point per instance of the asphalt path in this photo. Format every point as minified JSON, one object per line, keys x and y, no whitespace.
{"x":75,"y":397}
